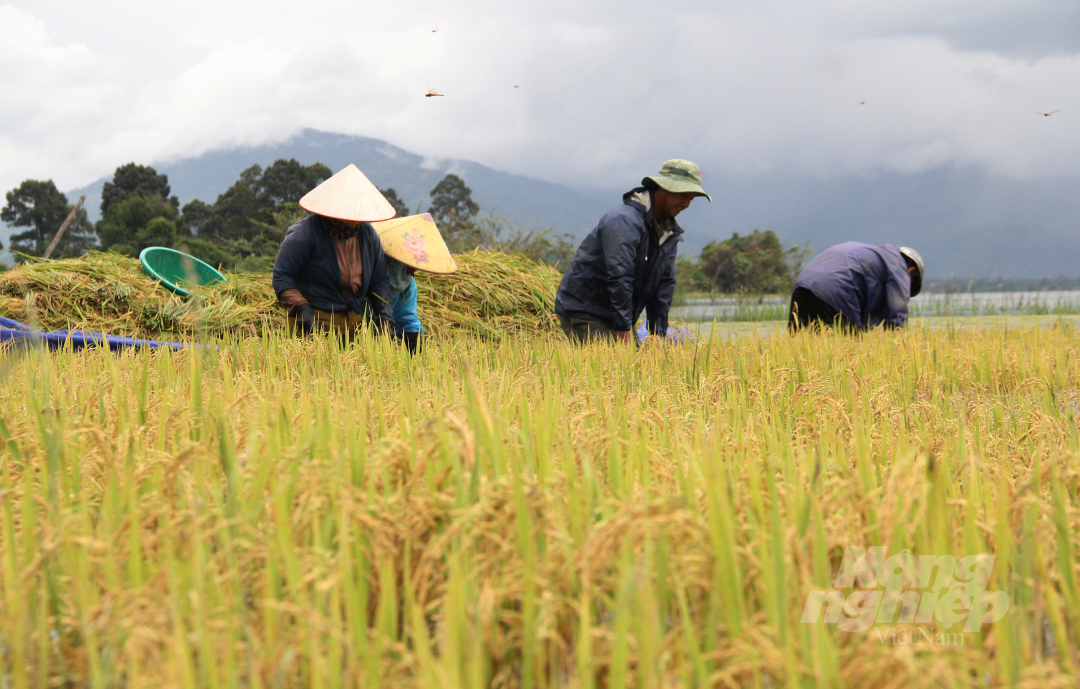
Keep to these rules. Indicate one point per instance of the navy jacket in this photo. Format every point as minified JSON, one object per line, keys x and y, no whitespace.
{"x":621,"y":269}
{"x":307,"y":261}
{"x":870,"y":285}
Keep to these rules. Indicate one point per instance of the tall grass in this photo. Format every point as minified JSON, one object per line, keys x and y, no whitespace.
{"x":520,"y":513}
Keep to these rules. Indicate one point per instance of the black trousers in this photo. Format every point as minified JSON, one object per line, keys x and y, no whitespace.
{"x":809,"y":310}
{"x":582,"y":330}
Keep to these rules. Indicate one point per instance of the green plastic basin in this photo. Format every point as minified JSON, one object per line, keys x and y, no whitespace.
{"x":176,"y":270}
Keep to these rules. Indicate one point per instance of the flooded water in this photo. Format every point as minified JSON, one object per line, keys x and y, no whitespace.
{"x":756,"y":309}
{"x":729,"y":329}
{"x":996,"y":304}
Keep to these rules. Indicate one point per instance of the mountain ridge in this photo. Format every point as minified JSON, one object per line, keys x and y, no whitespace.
{"x":965,"y":221}
{"x":522,"y":200}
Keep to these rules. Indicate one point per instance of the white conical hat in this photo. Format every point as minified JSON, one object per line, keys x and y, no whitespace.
{"x":348,"y":195}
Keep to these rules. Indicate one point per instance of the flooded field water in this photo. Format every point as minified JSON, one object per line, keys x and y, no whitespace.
{"x":728,"y":329}
{"x":950,"y":305}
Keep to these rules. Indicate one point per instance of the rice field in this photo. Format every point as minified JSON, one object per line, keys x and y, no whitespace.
{"x":516,"y":512}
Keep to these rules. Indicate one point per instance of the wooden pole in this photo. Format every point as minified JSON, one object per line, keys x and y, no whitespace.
{"x":60,"y":232}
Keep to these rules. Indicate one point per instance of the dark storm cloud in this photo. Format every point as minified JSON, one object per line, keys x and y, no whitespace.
{"x":1027,"y":29}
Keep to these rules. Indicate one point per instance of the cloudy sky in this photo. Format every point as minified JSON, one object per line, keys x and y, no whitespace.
{"x":834,"y":89}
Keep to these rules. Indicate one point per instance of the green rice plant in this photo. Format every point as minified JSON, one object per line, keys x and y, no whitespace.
{"x":517,"y":512}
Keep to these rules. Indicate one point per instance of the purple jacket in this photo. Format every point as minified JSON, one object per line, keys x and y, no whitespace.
{"x":870,"y":285}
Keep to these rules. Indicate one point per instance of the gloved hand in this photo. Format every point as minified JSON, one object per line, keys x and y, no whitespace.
{"x":305,"y":319}
{"x":680,"y":335}
{"x":674,"y":335}
{"x":412,"y":342}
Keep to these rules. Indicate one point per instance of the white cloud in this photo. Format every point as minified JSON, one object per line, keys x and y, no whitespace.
{"x":605,"y":88}
{"x":57,"y":98}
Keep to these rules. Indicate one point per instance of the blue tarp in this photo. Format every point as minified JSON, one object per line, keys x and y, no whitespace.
{"x":16,"y":332}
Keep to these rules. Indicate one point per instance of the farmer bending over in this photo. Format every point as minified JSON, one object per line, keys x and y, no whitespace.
{"x":627,"y":264}
{"x":856,"y":286}
{"x":411,"y":243}
{"x":330,"y":272}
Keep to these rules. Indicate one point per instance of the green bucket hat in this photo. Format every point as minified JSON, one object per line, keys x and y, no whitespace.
{"x":678,"y":176}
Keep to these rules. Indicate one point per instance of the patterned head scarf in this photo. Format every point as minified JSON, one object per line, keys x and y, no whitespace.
{"x":399,"y":276}
{"x":339,"y":230}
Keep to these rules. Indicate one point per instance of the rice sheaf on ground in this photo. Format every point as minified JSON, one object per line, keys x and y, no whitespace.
{"x":491,"y":294}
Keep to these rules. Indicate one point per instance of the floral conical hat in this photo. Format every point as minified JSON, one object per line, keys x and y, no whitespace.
{"x":415,"y":241}
{"x":348,"y":195}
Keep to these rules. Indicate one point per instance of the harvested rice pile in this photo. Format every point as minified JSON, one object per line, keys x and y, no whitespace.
{"x":491,"y":294}
{"x":110,"y":293}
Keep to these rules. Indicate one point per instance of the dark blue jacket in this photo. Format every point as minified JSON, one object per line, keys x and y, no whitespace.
{"x":307,"y":261}
{"x":621,"y":269}
{"x":870,"y":285}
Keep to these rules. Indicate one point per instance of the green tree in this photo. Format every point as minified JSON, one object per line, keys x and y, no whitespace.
{"x":255,"y":197}
{"x":754,"y":264}
{"x":206,"y":251}
{"x":42,"y":208}
{"x":194,"y":216}
{"x":392,"y":197}
{"x":135,"y":179}
{"x":257,"y":251}
{"x":689,"y":277}
{"x":138,"y":222}
{"x":454,"y":211}
{"x":545,"y":246}
{"x":285,"y":181}
{"x":232,"y":213}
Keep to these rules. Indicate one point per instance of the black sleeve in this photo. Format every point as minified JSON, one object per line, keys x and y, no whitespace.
{"x":294,"y":254}
{"x":619,"y":241}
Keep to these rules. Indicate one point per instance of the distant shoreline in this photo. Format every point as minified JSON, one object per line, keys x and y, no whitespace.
{"x":945,"y":286}
{"x":1045,"y":284}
